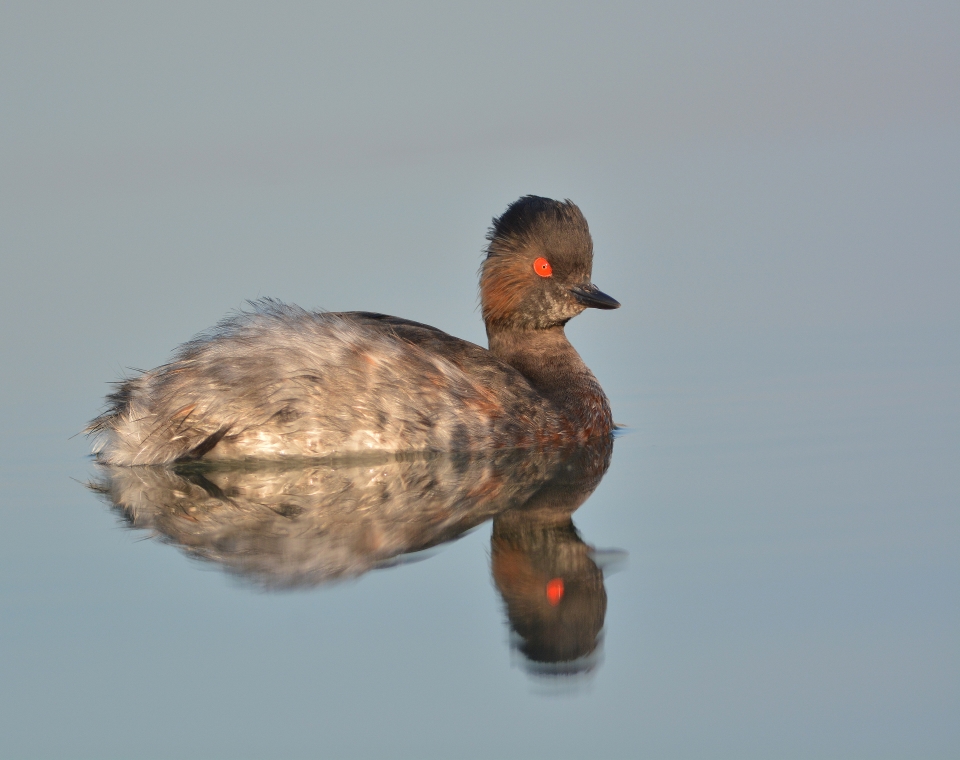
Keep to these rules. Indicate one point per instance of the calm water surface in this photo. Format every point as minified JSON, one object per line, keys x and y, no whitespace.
{"x":768,"y":567}
{"x":766,"y":563}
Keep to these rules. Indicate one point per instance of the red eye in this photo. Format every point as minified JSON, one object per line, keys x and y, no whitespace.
{"x":554,"y":590}
{"x":542,"y":267}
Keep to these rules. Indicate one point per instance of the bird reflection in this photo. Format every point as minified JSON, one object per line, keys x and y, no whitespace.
{"x":288,"y":526}
{"x":552,"y":587}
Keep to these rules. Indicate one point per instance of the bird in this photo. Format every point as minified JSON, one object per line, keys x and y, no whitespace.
{"x":275,"y":381}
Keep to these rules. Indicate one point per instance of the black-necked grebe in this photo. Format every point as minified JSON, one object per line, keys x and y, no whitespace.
{"x":279,"y":381}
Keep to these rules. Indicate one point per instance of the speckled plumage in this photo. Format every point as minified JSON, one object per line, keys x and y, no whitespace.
{"x":278,"y":381}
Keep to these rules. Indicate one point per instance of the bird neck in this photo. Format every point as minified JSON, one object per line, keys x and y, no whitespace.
{"x":554,"y":368}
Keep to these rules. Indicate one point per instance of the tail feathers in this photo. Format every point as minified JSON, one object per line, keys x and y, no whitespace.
{"x":127,"y":433}
{"x":118,"y":404}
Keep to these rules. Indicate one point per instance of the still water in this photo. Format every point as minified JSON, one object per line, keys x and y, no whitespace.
{"x":763,"y":564}
{"x":765,"y":567}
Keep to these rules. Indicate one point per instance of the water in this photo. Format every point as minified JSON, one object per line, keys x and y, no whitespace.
{"x":773,"y":549}
{"x":789,"y":578}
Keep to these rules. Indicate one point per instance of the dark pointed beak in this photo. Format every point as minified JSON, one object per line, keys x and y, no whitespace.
{"x":592,"y":296}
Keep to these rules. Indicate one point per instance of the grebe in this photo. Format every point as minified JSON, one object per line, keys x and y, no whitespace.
{"x":278,"y":381}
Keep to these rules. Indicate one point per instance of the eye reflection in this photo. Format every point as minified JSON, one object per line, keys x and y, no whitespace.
{"x":283,"y":526}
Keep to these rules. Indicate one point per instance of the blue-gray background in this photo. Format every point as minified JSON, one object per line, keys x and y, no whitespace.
{"x":774,"y":193}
